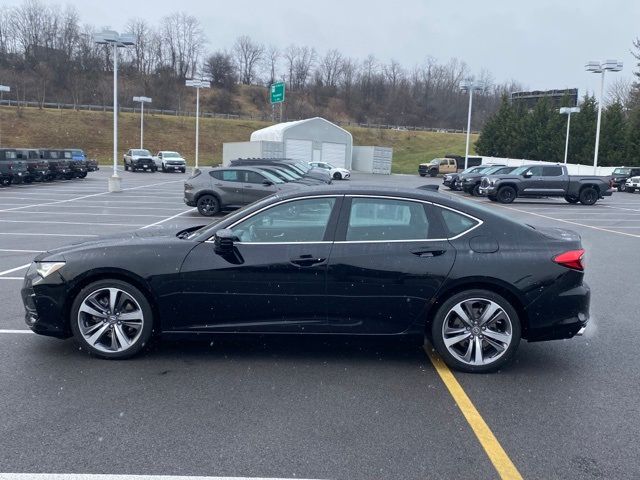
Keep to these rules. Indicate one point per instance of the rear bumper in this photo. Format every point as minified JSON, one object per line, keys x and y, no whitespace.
{"x":189,"y":199}
{"x":559,"y":315}
{"x":607,"y":193}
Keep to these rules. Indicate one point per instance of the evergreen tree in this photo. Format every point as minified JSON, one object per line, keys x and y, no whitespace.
{"x":496,"y":138}
{"x":612,"y":136}
{"x":583,"y":132}
{"x":632,"y":148}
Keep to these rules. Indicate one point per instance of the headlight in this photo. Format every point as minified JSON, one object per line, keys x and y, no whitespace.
{"x":45,"y":269}
{"x":492,"y":181}
{"x":447,"y":177}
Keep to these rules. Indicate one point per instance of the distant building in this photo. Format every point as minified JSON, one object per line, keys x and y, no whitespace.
{"x":556,"y":97}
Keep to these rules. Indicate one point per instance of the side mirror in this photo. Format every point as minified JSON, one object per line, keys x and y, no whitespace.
{"x":267,"y":183}
{"x":223,"y":241}
{"x":528,"y":174}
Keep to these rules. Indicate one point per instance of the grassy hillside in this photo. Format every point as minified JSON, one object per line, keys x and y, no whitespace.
{"x":92,"y":131}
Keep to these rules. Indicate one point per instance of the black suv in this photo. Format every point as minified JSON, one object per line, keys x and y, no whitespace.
{"x":37,"y":168}
{"x":58,"y":166}
{"x":12,"y":170}
{"x":620,"y":176}
{"x":301,"y":168}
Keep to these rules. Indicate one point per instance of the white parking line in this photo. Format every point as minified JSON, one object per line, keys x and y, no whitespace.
{"x":23,"y":330}
{"x":13,"y":250}
{"x":11,"y":278}
{"x":48,"y":234}
{"x":11,"y":270}
{"x":167,"y":219}
{"x":100,"y":224}
{"x":88,"y":476}
{"x":30,"y":212}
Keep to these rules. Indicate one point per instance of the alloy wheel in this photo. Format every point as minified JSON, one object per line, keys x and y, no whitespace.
{"x":477,"y":331}
{"x":110,"y":320}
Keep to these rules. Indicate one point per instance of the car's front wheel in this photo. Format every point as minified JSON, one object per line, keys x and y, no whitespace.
{"x":337,"y":176}
{"x":111,"y":319}
{"x":506,"y":194}
{"x":208,"y":205}
{"x":622,"y":187}
{"x":476,"y":331}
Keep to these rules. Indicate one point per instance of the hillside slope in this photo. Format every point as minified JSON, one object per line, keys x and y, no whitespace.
{"x":92,"y":131}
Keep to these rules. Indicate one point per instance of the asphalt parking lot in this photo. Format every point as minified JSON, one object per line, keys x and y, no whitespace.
{"x":311,"y":409}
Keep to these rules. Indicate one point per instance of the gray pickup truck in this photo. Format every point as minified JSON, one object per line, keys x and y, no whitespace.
{"x":545,"y":181}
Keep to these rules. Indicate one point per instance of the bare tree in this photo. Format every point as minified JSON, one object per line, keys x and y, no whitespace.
{"x":248,"y":55}
{"x":183,"y":40}
{"x":619,"y":91}
{"x":271,"y":63}
{"x":330,"y":68}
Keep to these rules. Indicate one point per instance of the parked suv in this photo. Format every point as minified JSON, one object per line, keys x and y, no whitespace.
{"x":620,"y":176}
{"x":301,"y":168}
{"x":214,"y":189}
{"x":139,"y":159}
{"x":170,"y":161}
{"x":633,"y":184}
{"x":91,"y":165}
{"x":470,"y":182}
{"x":77,"y":164}
{"x":12,"y":170}
{"x":58,"y":166}
{"x":37,"y":168}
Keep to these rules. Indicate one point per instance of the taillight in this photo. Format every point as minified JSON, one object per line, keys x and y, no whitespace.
{"x":571,"y":259}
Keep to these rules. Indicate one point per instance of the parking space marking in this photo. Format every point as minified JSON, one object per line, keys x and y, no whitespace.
{"x":11,"y":278}
{"x":499,"y":458}
{"x":23,"y":330}
{"x":11,"y":270}
{"x":167,"y":219}
{"x":101,"y":224}
{"x":90,"y":476}
{"x":13,"y":250}
{"x":49,"y":234}
{"x":87,"y":213}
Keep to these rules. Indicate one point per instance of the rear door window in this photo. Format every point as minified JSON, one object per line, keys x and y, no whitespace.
{"x":232,"y":176}
{"x":551,"y":171}
{"x":382,"y":219}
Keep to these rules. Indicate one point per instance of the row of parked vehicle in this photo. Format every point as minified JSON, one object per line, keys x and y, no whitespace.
{"x":626,"y":179}
{"x":246,"y":180}
{"x":27,"y":165}
{"x":501,"y":183}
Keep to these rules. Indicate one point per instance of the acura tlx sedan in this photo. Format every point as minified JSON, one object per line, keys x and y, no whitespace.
{"x":322,"y":260}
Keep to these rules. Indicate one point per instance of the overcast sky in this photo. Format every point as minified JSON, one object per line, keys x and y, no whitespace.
{"x":541,"y":43}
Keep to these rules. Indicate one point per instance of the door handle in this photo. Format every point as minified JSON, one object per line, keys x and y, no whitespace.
{"x":428,"y":252}
{"x":307,"y":261}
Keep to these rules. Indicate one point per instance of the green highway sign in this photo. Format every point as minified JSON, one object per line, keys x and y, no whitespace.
{"x":277,"y":92}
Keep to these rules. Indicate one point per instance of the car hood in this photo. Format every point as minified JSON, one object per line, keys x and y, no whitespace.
{"x":134,"y":237}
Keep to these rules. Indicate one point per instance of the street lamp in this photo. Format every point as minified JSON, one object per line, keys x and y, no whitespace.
{"x":470,"y":86}
{"x":142,"y":101}
{"x":3,"y":88}
{"x":197,"y":84}
{"x":109,"y":37}
{"x":601,"y":68}
{"x":568,"y":111}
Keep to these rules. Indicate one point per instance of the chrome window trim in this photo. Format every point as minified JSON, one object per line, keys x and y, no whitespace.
{"x":478,"y":224}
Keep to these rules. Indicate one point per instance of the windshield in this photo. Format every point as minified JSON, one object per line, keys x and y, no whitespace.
{"x":285,"y":174}
{"x":303,"y":166}
{"x":140,"y":153}
{"x":271,"y":176}
{"x":492,"y":170}
{"x":621,"y":171}
{"x":520,"y":170}
{"x":171,"y":155}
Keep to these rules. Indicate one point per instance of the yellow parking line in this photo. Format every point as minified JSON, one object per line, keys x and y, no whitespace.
{"x":501,"y":461}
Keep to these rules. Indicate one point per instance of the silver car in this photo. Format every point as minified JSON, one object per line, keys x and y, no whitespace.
{"x":214,"y":189}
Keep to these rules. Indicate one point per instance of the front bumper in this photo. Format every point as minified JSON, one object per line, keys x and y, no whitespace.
{"x":490,"y":190}
{"x":43,"y":300}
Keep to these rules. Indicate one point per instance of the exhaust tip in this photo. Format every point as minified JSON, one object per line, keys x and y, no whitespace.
{"x":581,"y":331}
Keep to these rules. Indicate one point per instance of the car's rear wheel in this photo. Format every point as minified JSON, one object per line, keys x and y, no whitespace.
{"x":622,"y":187}
{"x":506,"y":194}
{"x":571,"y":199}
{"x":476,"y":331}
{"x":337,"y":176}
{"x":475,"y":191}
{"x":208,"y":205}
{"x":111,"y":319}
{"x":588,"y":196}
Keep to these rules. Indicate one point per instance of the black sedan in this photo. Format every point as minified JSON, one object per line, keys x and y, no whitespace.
{"x":324,"y":260}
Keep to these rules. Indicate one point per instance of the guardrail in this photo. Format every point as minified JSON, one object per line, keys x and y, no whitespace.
{"x":227,"y":116}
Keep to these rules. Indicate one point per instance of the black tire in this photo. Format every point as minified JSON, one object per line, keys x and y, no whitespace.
{"x":506,"y":194}
{"x":571,"y":199}
{"x":208,"y":205}
{"x":423,"y":174}
{"x":82,"y":175}
{"x":141,"y":339}
{"x":433,"y":173}
{"x":337,"y":176}
{"x":126,"y":167}
{"x":631,"y":190}
{"x":511,"y":320}
{"x":588,"y":196}
{"x":622,"y":187}
{"x":164,"y":169}
{"x":475,"y":191}
{"x":183,"y":170}
{"x":154,"y":169}
{"x":493,"y":198}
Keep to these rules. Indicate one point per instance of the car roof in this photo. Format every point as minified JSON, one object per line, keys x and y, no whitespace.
{"x":233,"y":167}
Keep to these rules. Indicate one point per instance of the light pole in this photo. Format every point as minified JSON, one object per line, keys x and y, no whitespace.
{"x":142,"y":101}
{"x":470,"y":86}
{"x":601,"y":68}
{"x":109,"y":37}
{"x":197,"y":84}
{"x":3,"y":88}
{"x":568,"y":111}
